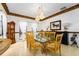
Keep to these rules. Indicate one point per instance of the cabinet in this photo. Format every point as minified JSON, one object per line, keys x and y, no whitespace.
{"x":65,"y":37}
{"x":11,"y":31}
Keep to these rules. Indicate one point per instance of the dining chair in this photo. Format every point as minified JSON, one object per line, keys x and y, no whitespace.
{"x":49,"y":36}
{"x":33,"y":45}
{"x":28,"y":39}
{"x":47,"y":33}
{"x":52,"y":35}
{"x":42,"y":33}
{"x":58,"y":42}
{"x":55,"y":47}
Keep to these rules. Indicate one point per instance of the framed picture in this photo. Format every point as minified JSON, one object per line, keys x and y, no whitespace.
{"x":55,"y":25}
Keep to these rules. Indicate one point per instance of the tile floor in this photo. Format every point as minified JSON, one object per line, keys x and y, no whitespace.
{"x":20,"y":49}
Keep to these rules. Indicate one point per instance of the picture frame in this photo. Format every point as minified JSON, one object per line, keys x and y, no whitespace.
{"x":55,"y":25}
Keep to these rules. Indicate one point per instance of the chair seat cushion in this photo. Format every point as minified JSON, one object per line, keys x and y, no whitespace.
{"x":36,"y":45}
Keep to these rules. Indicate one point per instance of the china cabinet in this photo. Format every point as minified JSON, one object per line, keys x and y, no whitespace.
{"x":11,"y":31}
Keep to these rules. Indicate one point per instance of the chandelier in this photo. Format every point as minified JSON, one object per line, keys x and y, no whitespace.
{"x":40,"y":14}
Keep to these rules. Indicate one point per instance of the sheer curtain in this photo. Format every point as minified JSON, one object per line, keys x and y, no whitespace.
{"x":0,"y":26}
{"x":22,"y":29}
{"x":3,"y":18}
{"x":34,"y":28}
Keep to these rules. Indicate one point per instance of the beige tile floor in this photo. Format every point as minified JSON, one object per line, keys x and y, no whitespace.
{"x":20,"y":49}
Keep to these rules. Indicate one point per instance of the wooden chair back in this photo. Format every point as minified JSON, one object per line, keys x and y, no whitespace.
{"x":52,"y":35}
{"x":59,"y":38}
{"x":30,"y":38}
{"x":47,"y":34}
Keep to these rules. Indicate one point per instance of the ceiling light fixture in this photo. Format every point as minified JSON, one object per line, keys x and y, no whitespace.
{"x":40,"y":14}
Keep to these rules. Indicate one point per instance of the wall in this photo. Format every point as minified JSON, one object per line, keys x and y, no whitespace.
{"x":69,"y":17}
{"x":17,"y":20}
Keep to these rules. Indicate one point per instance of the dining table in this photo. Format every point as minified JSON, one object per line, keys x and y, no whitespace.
{"x":43,"y":40}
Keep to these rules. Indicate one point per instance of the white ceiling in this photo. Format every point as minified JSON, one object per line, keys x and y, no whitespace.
{"x":30,"y":9}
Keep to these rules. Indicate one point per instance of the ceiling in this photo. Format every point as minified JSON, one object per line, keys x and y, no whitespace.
{"x":31,"y":9}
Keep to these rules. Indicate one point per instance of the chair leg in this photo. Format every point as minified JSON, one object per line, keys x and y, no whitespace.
{"x":30,"y":47}
{"x":46,"y":52}
{"x":27,"y":45}
{"x":54,"y":51}
{"x":34,"y":52}
{"x":60,"y":51}
{"x":42,"y":51}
